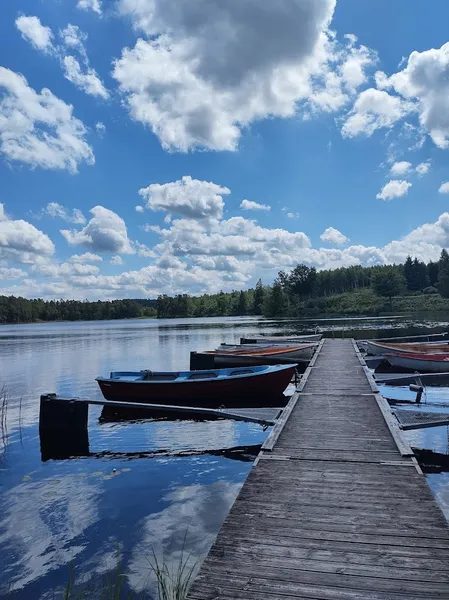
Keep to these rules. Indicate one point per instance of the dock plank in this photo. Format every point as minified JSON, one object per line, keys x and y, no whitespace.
{"x":332,"y":511}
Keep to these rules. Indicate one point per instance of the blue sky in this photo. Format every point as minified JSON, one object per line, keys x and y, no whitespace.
{"x":250,"y":135}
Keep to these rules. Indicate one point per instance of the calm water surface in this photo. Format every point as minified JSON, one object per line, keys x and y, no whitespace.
{"x":121,"y":501}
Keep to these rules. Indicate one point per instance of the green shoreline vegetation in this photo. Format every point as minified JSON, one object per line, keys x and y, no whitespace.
{"x":303,"y":292}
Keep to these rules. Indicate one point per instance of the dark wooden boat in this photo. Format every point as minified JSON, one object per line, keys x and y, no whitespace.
{"x":237,"y":387}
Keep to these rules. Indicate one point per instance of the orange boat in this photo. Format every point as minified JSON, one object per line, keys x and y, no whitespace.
{"x":244,"y":355}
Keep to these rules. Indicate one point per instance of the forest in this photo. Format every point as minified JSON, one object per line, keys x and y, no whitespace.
{"x":303,"y":291}
{"x":21,"y":310}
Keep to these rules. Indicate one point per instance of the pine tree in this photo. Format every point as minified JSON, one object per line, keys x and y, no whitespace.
{"x":408,"y":273}
{"x":302,"y":280}
{"x":276,"y":302}
{"x":258,"y":298}
{"x":242,"y":304}
{"x":432,"y":271}
{"x":443,"y":274}
{"x":388,"y":282}
{"x":420,"y":275}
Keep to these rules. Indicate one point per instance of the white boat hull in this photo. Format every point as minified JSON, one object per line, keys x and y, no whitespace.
{"x":375,"y":350}
{"x":380,"y":349}
{"x":417,"y":364}
{"x":282,"y":339}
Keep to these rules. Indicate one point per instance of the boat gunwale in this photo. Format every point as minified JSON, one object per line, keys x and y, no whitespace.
{"x":407,"y":348}
{"x":264,"y":351}
{"x":263,"y":370}
{"x":417,"y":356}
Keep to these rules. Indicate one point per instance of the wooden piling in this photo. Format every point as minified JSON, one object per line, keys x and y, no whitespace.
{"x":200,"y":361}
{"x":63,"y":428}
{"x":59,"y":416}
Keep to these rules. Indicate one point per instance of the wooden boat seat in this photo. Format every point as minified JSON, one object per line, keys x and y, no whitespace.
{"x":202,"y":375}
{"x":242,"y":372}
{"x":159,"y":376}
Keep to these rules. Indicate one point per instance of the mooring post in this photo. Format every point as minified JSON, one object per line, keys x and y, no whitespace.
{"x":63,"y":427}
{"x":57,"y":414}
{"x":201,"y":362}
{"x":419,"y":391}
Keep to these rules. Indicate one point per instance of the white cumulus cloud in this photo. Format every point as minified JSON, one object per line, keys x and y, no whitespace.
{"x":400,"y":168}
{"x":202,"y":72}
{"x":333,"y":236}
{"x":374,"y":109}
{"x":20,"y":239}
{"x":83,"y":76}
{"x":86,"y":79}
{"x":105,"y":232}
{"x":423,"y":168}
{"x":93,"y":5}
{"x":11,"y":273}
{"x":444,"y":188}
{"x":100,"y":128}
{"x":186,"y":197}
{"x":116,"y":260}
{"x":53,"y":209}
{"x":65,"y":270}
{"x":251,"y":205}
{"x":39,"y":129}
{"x":73,"y":38}
{"x":87,"y":257}
{"x":35,"y":33}
{"x":425,"y":80}
{"x":395,"y":188}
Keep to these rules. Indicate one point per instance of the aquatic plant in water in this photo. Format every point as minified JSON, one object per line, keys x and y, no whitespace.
{"x":173,"y":582}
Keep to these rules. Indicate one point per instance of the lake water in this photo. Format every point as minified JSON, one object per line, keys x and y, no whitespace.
{"x":122,"y":501}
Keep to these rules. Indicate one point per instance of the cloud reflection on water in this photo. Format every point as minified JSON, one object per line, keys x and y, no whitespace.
{"x":185,"y":528}
{"x":43,"y":525}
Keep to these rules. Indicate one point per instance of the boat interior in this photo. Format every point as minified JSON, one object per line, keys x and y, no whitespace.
{"x":156,"y":376}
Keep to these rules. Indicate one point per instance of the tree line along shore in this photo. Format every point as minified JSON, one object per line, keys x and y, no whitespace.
{"x":302,"y":292}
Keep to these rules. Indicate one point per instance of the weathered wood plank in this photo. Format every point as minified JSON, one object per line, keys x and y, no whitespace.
{"x":268,"y":575}
{"x":236,"y":587}
{"x":410,"y":566}
{"x":306,"y":538}
{"x":326,"y":511}
{"x":429,"y":536}
{"x":337,"y":455}
{"x":333,"y":489}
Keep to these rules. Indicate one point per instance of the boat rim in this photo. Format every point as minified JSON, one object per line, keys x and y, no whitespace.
{"x":267,"y":369}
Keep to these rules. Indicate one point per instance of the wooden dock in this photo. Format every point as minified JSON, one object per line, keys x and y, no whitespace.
{"x":338,"y":509}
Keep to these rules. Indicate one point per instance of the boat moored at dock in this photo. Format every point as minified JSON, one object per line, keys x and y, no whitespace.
{"x":240,"y":355}
{"x":241,"y":387}
{"x":299,"y":351}
{"x":425,"y":363}
{"x":293,"y":339}
{"x":382,"y":348}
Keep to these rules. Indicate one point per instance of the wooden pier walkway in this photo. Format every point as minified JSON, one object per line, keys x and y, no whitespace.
{"x":336,"y":510}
